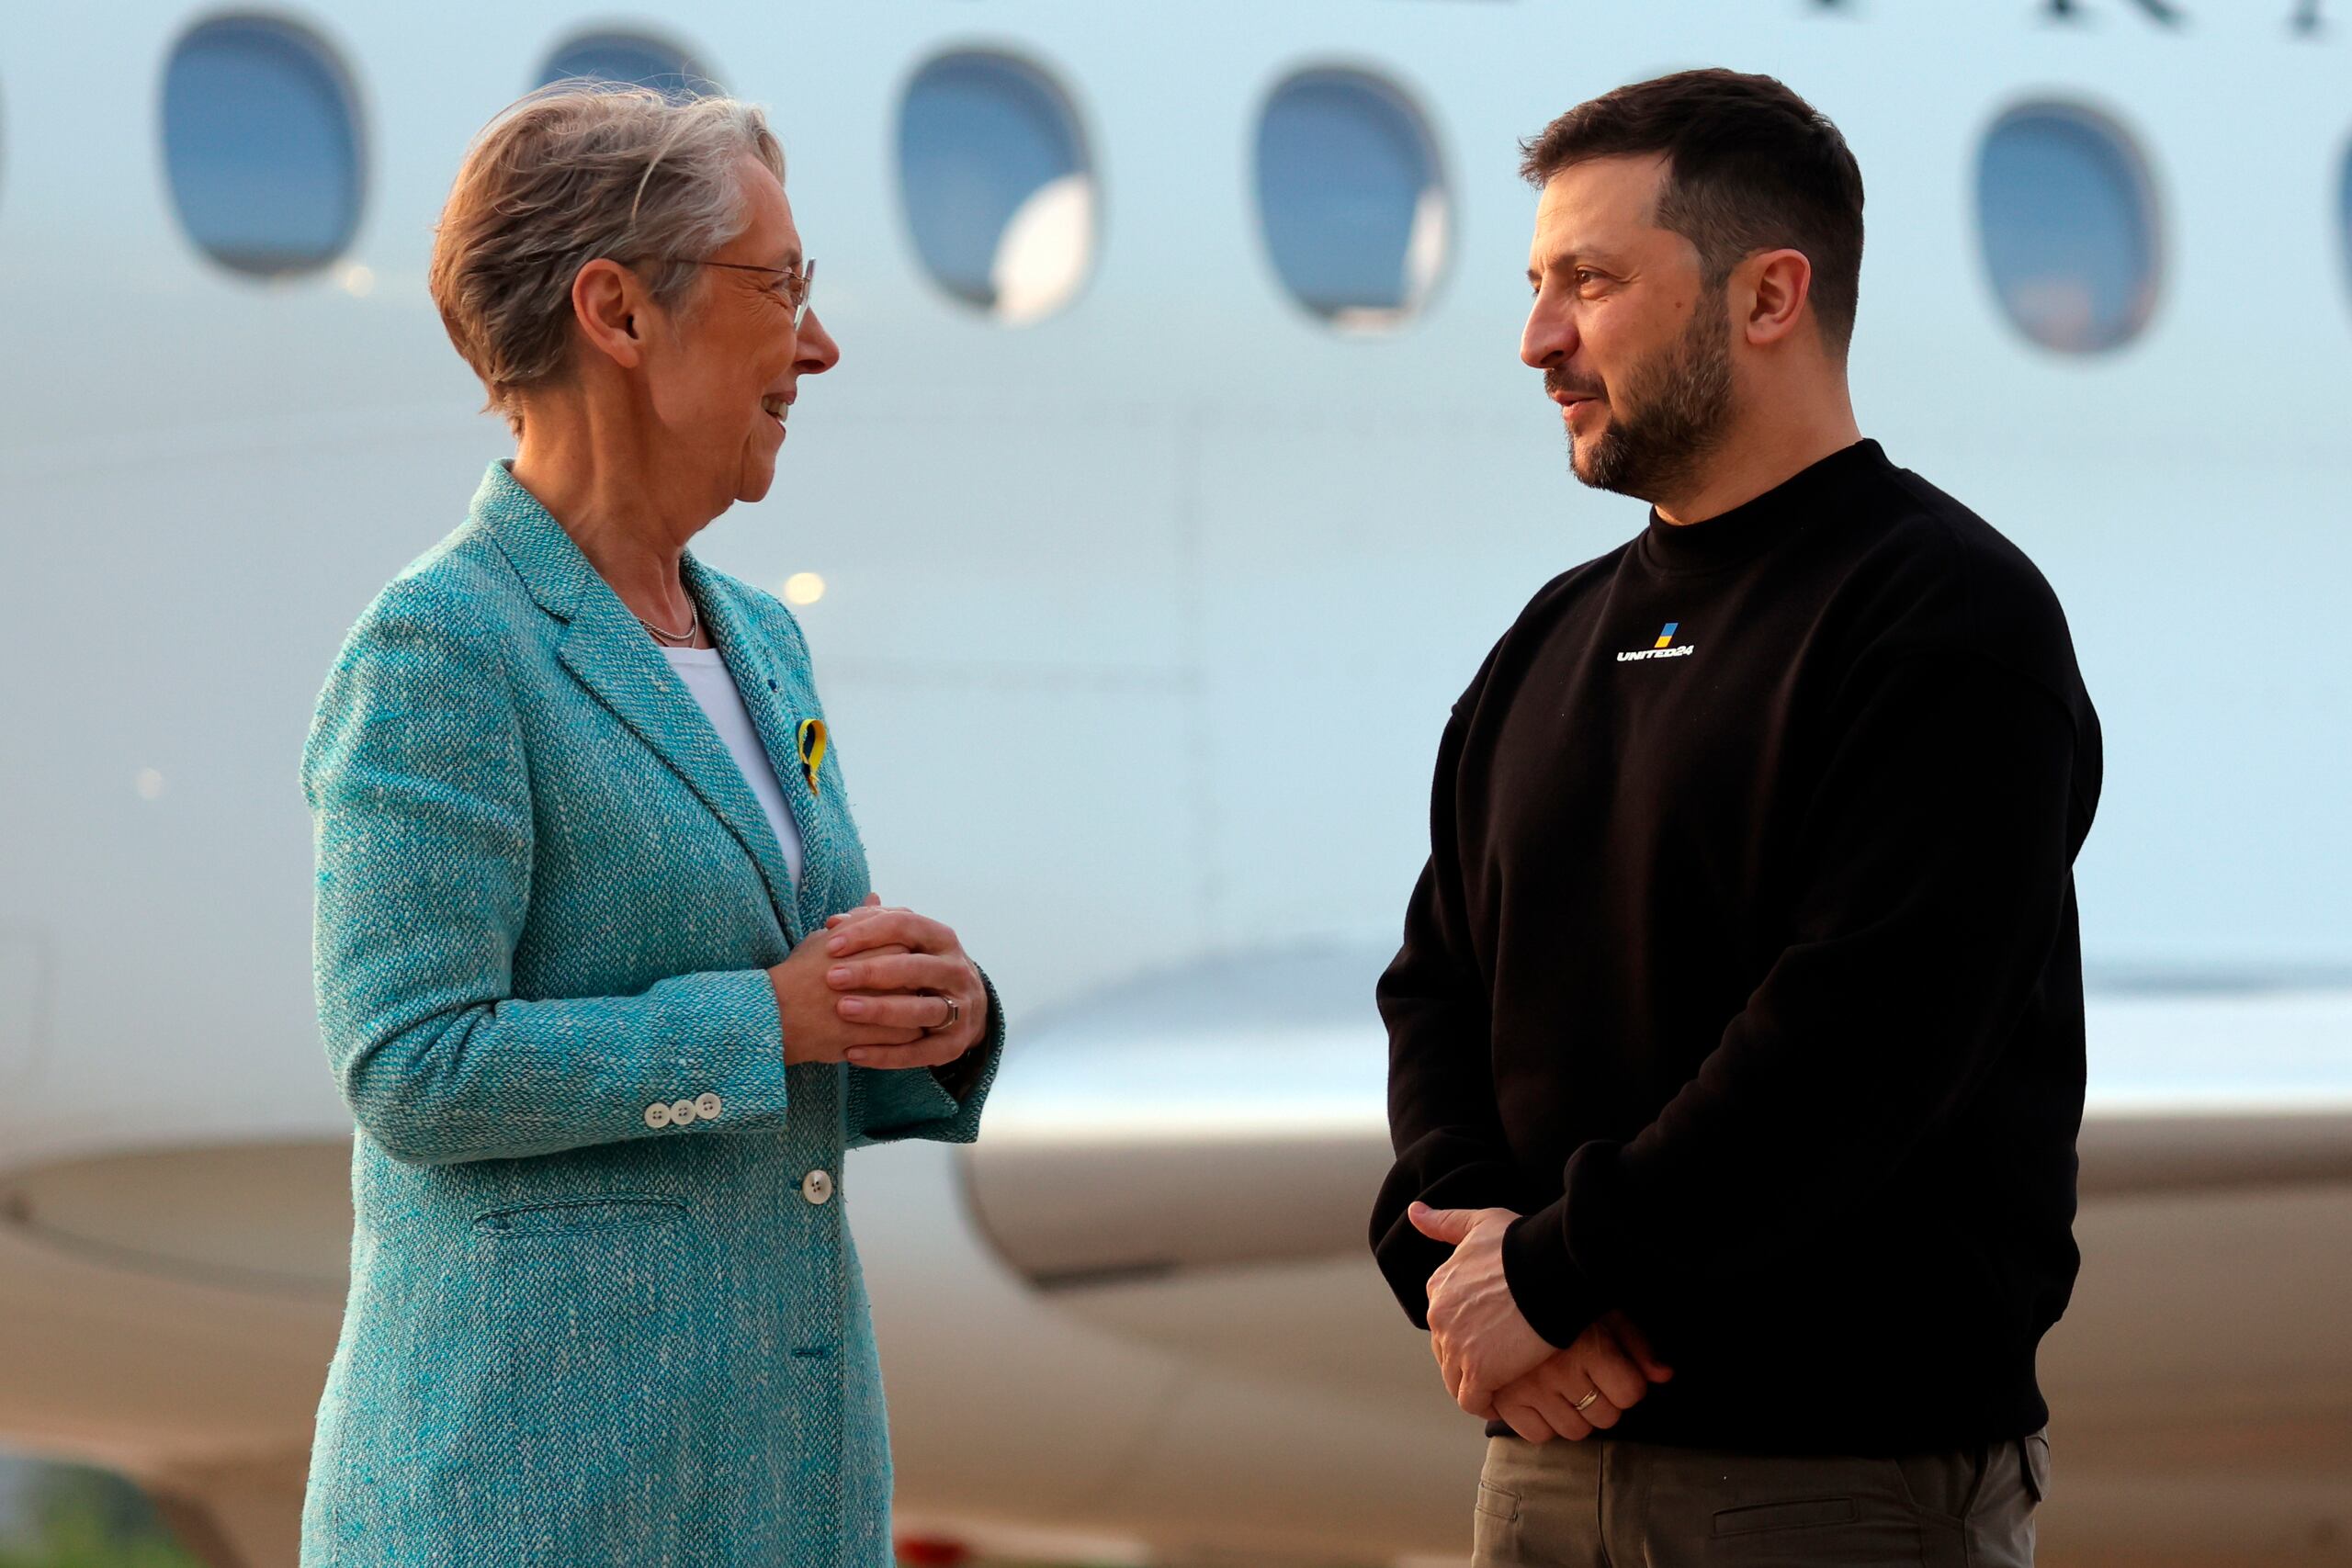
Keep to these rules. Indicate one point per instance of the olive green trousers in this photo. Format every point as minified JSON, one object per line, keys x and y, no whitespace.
{"x":1604,"y":1504}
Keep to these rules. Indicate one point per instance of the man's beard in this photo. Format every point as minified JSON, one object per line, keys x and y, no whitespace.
{"x":1667,"y":418}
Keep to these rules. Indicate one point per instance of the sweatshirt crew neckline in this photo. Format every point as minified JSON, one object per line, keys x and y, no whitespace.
{"x":1754,"y":525}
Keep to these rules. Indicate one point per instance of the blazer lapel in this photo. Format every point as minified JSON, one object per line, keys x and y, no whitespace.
{"x":608,"y":651}
{"x":780,"y":694}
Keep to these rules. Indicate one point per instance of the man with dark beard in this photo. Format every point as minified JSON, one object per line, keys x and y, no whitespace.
{"x":1736,"y":1037}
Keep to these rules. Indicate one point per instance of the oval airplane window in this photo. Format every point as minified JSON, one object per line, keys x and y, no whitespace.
{"x":998,"y":187}
{"x":1351,"y":199}
{"x":261,"y":144}
{"x":630,"y":58}
{"x":2067,"y":217}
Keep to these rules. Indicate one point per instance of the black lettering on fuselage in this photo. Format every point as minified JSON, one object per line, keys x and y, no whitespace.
{"x":2158,"y":11}
{"x":2307,"y":20}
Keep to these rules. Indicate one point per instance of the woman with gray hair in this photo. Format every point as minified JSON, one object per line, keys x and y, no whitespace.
{"x":598,"y":968}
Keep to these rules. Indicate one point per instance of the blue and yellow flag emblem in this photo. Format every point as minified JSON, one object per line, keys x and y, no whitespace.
{"x":812,"y":751}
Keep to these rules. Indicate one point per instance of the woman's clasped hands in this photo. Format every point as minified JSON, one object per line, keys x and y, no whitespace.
{"x":879,"y":988}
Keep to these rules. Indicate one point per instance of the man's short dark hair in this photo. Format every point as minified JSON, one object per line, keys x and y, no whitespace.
{"x":1750,"y":167}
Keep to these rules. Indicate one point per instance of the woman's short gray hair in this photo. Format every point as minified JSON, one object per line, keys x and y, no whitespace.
{"x":575,"y":172}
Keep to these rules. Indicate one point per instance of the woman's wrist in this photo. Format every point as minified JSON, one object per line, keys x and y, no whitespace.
{"x":783,"y":1035}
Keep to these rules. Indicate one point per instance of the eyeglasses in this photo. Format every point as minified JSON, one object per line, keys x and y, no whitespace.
{"x":794,"y":286}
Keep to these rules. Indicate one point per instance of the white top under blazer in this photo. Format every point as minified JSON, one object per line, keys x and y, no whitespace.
{"x":705,"y":673}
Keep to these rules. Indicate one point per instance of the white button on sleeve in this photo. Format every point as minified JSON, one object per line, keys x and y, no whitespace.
{"x":681,"y":1112}
{"x":707,"y":1106}
{"x":817,"y":1186}
{"x":657,"y":1114}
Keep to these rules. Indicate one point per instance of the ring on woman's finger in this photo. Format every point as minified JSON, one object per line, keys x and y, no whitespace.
{"x":1586,"y":1402}
{"x":955,"y":1012}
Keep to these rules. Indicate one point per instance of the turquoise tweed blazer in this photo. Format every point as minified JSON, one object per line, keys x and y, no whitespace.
{"x":583,"y":1329}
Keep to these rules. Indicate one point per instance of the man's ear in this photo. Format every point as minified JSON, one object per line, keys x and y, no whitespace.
{"x":606,"y":298}
{"x":1778,"y":284}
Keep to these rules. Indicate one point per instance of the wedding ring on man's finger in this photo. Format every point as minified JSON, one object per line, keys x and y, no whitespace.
{"x":955,"y":1012}
{"x":1586,"y":1402}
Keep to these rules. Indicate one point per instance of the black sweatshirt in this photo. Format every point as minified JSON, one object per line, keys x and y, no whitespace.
{"x":1746,"y":967}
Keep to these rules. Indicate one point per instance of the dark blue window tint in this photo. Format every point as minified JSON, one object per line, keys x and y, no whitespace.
{"x":2068,"y":219}
{"x":626,"y":57}
{"x":1349,"y":197}
{"x":994,"y":174}
{"x":261,"y":142}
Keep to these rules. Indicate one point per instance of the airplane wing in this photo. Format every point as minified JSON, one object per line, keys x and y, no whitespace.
{"x":1269,"y":1073}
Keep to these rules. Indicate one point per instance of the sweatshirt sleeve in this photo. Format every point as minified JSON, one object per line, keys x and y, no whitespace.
{"x":1932,"y":882}
{"x":422,"y":816}
{"x":1434,"y":999}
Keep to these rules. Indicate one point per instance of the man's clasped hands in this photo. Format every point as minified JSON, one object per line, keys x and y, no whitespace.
{"x":1494,"y":1362}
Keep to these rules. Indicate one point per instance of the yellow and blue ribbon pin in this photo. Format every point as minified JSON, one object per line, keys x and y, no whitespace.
{"x":813,"y":750}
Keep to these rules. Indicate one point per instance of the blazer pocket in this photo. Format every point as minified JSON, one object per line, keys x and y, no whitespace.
{"x":587,"y":1330}
{"x":575,"y":1217}
{"x":1809,"y":1514}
